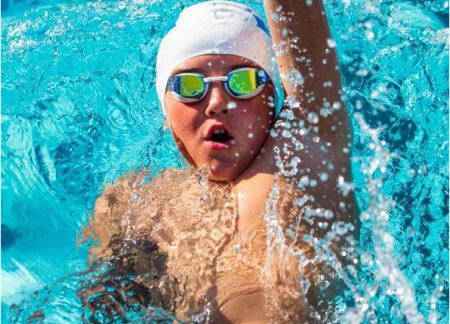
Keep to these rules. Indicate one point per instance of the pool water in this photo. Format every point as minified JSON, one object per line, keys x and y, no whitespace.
{"x":79,"y":109}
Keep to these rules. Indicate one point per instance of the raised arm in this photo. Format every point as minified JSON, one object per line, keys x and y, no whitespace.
{"x":313,"y":132}
{"x":308,"y":64}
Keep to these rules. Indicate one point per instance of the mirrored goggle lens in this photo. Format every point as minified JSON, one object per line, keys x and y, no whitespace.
{"x":245,"y":81}
{"x":190,"y":86}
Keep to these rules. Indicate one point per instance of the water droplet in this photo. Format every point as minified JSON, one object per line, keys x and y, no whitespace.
{"x":323,"y":225}
{"x":302,"y":201}
{"x":313,"y":118}
{"x":304,"y":181}
{"x":274,"y":16}
{"x":337,"y":105}
{"x":331,"y":43}
{"x":232,"y":105}
{"x":286,"y":134}
{"x":340,"y":228}
{"x":328,"y":214}
{"x":295,"y":77}
{"x":324,"y":176}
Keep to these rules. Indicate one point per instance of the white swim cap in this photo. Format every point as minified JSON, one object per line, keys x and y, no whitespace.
{"x":217,"y":27}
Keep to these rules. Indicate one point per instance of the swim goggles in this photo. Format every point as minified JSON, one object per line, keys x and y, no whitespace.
{"x":243,"y":83}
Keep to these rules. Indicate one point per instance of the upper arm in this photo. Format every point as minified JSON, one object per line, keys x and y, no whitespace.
{"x":107,"y":225}
{"x":127,"y":252}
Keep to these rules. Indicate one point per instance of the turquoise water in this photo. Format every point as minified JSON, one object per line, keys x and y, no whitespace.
{"x":79,"y":109}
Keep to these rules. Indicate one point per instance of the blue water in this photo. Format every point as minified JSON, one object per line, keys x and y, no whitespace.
{"x":79,"y":109}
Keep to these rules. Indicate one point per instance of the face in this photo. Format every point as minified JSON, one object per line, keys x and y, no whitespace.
{"x":220,"y":132}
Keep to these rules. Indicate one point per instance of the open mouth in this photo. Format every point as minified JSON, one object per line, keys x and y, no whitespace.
{"x":220,"y":136}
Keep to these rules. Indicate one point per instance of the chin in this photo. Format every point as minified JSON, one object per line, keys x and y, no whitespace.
{"x":221,"y":176}
{"x":221,"y":172}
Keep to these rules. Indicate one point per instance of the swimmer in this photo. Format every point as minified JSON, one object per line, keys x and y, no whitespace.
{"x":265,"y":132}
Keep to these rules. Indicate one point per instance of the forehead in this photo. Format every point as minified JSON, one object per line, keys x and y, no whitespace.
{"x":213,"y":63}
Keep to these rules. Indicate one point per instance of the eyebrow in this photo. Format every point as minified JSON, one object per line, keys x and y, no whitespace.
{"x":202,"y":71}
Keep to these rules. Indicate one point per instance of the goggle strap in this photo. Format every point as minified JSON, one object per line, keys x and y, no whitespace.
{"x":173,"y":84}
{"x":261,"y":77}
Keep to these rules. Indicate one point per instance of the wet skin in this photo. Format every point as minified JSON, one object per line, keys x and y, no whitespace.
{"x":248,"y":123}
{"x":245,"y":174}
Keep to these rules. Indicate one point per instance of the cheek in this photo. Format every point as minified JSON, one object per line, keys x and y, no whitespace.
{"x":182,"y":120}
{"x":255,"y":123}
{"x":254,"y":129}
{"x":261,"y":115}
{"x":172,"y":110}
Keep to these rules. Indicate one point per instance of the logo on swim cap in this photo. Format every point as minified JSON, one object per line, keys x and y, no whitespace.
{"x":260,"y":23}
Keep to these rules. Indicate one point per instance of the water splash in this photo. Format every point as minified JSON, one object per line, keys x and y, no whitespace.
{"x":378,"y":212}
{"x":78,"y":111}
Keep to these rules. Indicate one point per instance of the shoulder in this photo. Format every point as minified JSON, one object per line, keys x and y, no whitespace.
{"x":129,"y":188}
{"x":127,"y":202}
{"x":116,"y":197}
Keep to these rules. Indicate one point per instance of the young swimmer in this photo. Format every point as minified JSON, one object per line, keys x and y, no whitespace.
{"x":202,"y":241}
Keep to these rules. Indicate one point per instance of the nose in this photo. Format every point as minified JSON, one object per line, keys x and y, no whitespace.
{"x":218,"y":100}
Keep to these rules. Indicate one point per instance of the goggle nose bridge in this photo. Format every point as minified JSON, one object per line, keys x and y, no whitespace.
{"x":216,"y":78}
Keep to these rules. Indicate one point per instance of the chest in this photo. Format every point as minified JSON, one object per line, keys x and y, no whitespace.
{"x":215,"y":240}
